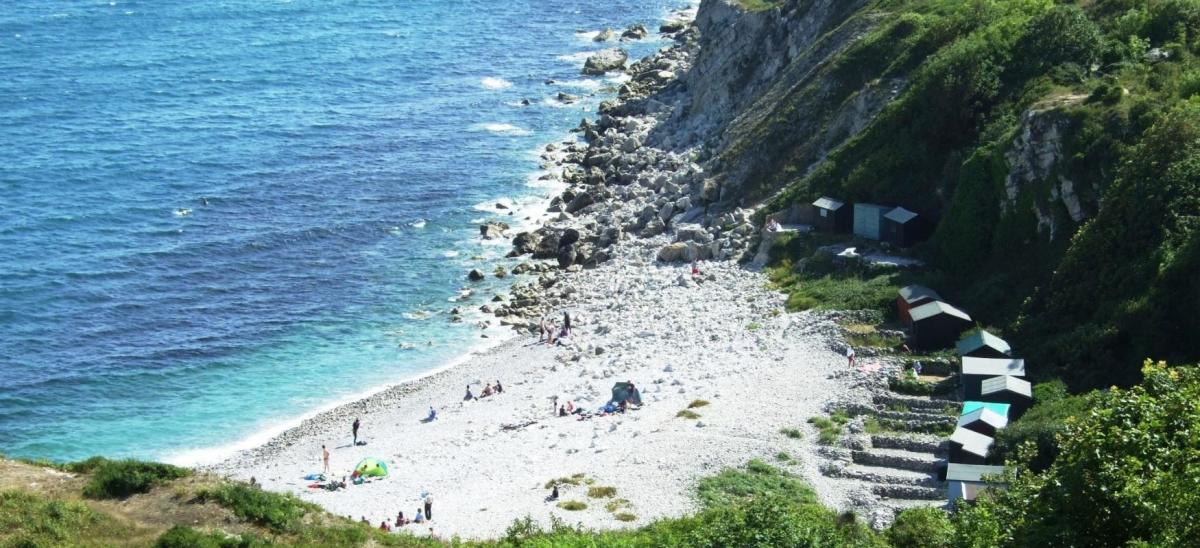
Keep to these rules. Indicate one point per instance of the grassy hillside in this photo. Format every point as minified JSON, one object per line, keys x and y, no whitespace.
{"x":1117,"y":80}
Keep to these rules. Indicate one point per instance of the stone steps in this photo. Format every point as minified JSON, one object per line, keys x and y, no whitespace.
{"x":897,"y":458}
{"x":914,"y":403}
{"x":909,"y":492}
{"x":883,"y":475}
{"x":921,"y":443}
{"x":920,"y":418}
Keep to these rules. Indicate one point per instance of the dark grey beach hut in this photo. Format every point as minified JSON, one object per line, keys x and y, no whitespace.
{"x":868,"y":220}
{"x":830,"y":215}
{"x":982,"y":344}
{"x":969,"y":447}
{"x":937,"y":325}
{"x":903,"y":228}
{"x":1017,"y":393}
{"x":974,"y":371}
{"x":966,"y":481}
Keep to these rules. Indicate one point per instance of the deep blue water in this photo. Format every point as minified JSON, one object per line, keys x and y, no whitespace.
{"x":331,"y":154}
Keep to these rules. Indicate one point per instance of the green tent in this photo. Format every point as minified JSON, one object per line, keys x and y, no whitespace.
{"x":625,"y":391}
{"x":372,"y":467}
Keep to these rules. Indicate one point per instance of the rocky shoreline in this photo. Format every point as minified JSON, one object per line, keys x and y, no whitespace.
{"x":613,"y":254}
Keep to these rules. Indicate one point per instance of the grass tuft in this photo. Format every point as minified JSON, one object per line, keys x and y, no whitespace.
{"x":697,"y":403}
{"x":687,"y":414}
{"x":625,"y":516}
{"x":792,"y":433}
{"x":599,"y":492}
{"x":572,"y":505}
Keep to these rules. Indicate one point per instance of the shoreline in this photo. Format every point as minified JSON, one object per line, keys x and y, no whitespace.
{"x":719,"y":338}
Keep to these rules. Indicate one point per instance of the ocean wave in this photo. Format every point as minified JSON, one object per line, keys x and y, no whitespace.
{"x":584,"y":83}
{"x":449,"y":254}
{"x":500,"y":128}
{"x":576,"y":58}
{"x":492,"y":82}
{"x":419,"y":223}
{"x":418,"y":315}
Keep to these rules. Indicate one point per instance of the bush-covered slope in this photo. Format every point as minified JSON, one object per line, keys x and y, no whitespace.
{"x":1053,"y":141}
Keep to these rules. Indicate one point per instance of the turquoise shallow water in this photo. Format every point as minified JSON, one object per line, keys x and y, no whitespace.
{"x":330,"y":155}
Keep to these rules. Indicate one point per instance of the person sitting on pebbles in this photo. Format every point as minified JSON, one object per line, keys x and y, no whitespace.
{"x":400,"y":520}
{"x":487,"y":391}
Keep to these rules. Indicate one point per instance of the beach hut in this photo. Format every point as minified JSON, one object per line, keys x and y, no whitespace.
{"x":1007,"y":389}
{"x":903,"y":228}
{"x":974,"y":371}
{"x":969,"y":446}
{"x":912,"y":296}
{"x":868,"y":220}
{"x":830,"y":215}
{"x":937,"y":325}
{"x":966,"y":481}
{"x":997,"y":407}
{"x":982,"y":344}
{"x":983,"y":420}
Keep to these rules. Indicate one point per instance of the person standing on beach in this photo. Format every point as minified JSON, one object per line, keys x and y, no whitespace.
{"x":850,"y":355}
{"x":567,"y":323}
{"x":354,"y":430}
{"x":325,"y":458}
{"x":429,"y":507}
{"x":553,"y":405}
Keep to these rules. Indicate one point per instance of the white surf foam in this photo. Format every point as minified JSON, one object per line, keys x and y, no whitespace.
{"x":492,"y":82}
{"x":500,"y":128}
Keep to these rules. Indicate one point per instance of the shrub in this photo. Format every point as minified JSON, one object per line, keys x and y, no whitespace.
{"x":792,"y":433}
{"x":783,"y":457}
{"x":572,"y":505}
{"x":697,"y":403}
{"x":758,"y":479}
{"x":575,"y":479}
{"x":181,"y":536}
{"x":687,"y":414}
{"x":28,"y":519}
{"x":601,"y":492}
{"x":921,"y":528}
{"x":278,"y":512}
{"x":125,"y":478}
{"x":916,"y":387}
{"x":1041,"y":425}
{"x":625,"y":516}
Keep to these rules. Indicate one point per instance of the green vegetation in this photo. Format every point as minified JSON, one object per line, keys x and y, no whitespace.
{"x":783,"y":457}
{"x":921,"y":527}
{"x":792,"y":433}
{"x":575,"y":479}
{"x":1042,"y":425}
{"x":625,"y":516}
{"x":687,"y":414}
{"x":616,"y":504}
{"x":277,"y":512}
{"x":904,"y":384}
{"x":697,"y":403}
{"x":757,"y":480}
{"x":599,"y":492}
{"x":572,"y":505}
{"x":122,"y":478}
{"x":182,"y":536}
{"x":1084,"y":286}
{"x":758,"y":5}
{"x":754,"y":326}
{"x":830,"y":429}
{"x":1125,"y":475}
{"x":28,"y":519}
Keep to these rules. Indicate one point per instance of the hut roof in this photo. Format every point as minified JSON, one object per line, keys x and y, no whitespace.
{"x":825,"y":202}
{"x":993,"y":367}
{"x":900,"y":215}
{"x":984,"y":415}
{"x":980,"y":339}
{"x":969,"y":406}
{"x":911,"y":293}
{"x":1007,"y":383}
{"x":929,"y":310}
{"x":971,"y":472}
{"x":971,"y":441}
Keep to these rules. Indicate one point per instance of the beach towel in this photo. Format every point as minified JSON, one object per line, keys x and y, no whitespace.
{"x":315,"y":477}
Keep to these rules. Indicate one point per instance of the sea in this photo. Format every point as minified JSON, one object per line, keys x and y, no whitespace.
{"x":219,"y":217}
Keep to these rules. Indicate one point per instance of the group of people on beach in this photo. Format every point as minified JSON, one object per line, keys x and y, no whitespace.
{"x":423,"y":515}
{"x":488,"y":390}
{"x":547,"y":331}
